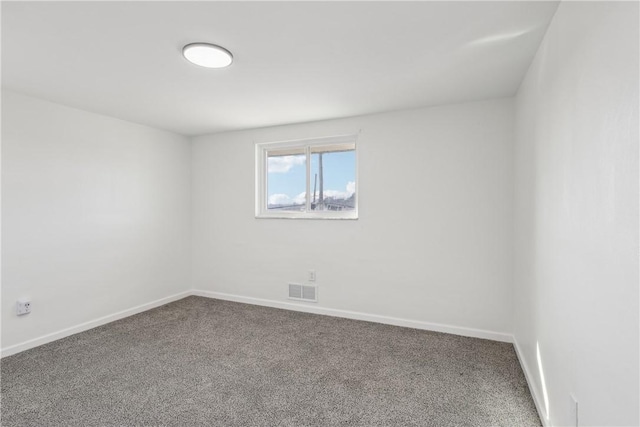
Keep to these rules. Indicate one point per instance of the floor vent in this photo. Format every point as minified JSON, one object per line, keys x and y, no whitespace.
{"x":303,"y":292}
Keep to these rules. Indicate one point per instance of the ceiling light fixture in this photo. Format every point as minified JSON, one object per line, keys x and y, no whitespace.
{"x":207,"y":55}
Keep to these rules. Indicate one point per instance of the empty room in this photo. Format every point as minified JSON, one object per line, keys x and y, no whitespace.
{"x":320,"y":213}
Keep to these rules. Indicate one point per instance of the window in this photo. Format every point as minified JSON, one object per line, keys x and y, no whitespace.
{"x":313,"y":178}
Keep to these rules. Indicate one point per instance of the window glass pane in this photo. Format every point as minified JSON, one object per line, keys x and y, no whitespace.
{"x":286,"y":180}
{"x":333,"y":178}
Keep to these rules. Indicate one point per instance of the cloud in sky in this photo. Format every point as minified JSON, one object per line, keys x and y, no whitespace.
{"x":283,"y":164}
{"x":283,"y":199}
{"x":279,"y":199}
{"x":351,"y":187}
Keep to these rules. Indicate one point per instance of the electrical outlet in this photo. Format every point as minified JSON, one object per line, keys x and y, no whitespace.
{"x":23,"y":306}
{"x":312,"y":275}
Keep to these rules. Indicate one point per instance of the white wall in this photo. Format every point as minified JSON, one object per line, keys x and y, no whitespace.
{"x":576,"y":293}
{"x":434,"y":238}
{"x":96,"y":216}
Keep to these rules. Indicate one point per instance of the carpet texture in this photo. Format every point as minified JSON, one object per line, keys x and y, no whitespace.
{"x":205,"y":362}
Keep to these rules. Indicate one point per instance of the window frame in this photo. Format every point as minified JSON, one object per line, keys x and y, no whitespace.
{"x":262,"y":149}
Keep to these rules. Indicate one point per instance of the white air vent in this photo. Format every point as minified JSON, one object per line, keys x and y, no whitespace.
{"x":309,"y":293}
{"x":295,"y":291}
{"x":303,"y":292}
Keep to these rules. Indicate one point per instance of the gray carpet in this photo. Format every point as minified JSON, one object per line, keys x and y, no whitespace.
{"x":206,"y":362}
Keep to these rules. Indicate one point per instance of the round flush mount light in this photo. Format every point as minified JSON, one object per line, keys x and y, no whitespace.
{"x":207,"y":55}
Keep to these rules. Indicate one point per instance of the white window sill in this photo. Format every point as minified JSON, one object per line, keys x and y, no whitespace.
{"x":304,"y":215}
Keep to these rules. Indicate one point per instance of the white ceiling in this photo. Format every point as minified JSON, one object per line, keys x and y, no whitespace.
{"x":294,"y":61}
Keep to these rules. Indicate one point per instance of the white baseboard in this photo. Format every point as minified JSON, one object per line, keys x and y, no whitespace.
{"x":416,"y":324}
{"x":437,"y":327}
{"x":456,"y":330}
{"x":537,"y":399}
{"x":35,"y":342}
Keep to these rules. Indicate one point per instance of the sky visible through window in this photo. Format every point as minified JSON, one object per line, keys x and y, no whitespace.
{"x":286,"y":179}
